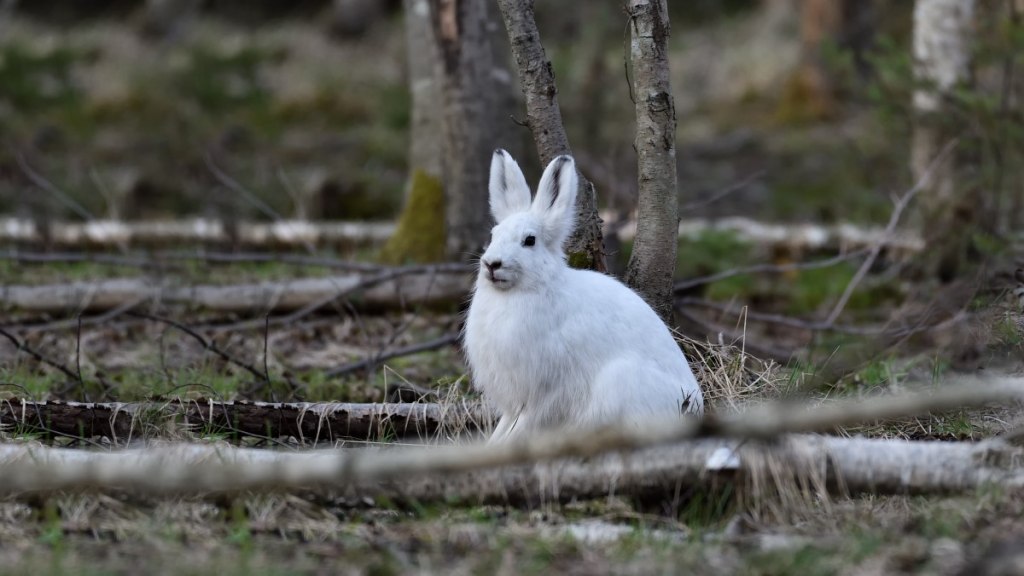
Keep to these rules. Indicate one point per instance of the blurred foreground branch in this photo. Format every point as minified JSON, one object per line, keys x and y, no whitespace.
{"x":410,"y":473}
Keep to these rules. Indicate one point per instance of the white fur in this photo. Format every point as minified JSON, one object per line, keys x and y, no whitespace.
{"x":550,"y":346}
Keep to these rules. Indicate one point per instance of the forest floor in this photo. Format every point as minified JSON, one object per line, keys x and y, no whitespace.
{"x":125,"y":358}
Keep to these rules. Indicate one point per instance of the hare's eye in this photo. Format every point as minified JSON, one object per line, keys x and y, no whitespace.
{"x":530,"y":240}
{"x":490,"y":238}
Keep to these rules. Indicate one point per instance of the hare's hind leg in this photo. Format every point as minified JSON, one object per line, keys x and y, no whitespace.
{"x":629,"y":391}
{"x":507,"y":424}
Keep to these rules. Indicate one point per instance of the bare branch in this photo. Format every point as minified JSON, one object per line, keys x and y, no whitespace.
{"x":443,"y":341}
{"x":894,"y":219}
{"x":22,"y":347}
{"x":684,"y":285}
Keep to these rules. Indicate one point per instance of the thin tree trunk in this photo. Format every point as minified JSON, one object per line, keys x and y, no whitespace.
{"x":653,"y":261}
{"x":471,"y":117}
{"x":424,"y":61}
{"x":942,"y":50}
{"x":544,"y":118}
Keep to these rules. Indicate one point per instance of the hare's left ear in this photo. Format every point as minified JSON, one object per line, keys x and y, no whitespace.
{"x":555,"y":203}
{"x":509,"y":192}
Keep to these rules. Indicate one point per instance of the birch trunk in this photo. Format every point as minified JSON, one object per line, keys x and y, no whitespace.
{"x":544,"y":118}
{"x":652,"y":263}
{"x":942,"y":55}
{"x":424,"y":60}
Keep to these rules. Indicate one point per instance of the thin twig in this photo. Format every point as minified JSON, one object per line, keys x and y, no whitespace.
{"x":722,"y":193}
{"x":683,"y":285}
{"x":208,"y":345}
{"x":23,"y":347}
{"x":819,"y":326}
{"x":41,"y":182}
{"x":894,"y":219}
{"x":446,"y":340}
{"x":78,"y":357}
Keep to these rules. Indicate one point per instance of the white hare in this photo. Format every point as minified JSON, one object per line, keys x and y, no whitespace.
{"x":550,"y":346}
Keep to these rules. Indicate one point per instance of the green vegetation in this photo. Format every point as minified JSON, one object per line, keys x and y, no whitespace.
{"x":419,"y":237}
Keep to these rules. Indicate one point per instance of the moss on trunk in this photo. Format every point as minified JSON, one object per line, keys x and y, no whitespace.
{"x":419,"y":236}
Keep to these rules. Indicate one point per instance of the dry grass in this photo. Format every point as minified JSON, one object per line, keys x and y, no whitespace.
{"x":730,"y":377}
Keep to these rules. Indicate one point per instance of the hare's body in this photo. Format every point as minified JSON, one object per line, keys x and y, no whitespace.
{"x":550,"y":346}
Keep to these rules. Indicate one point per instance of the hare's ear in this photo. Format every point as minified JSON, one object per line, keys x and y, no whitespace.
{"x":508,"y":188}
{"x":555,"y":203}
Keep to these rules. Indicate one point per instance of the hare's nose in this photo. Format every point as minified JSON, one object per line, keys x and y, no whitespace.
{"x":493,"y":265}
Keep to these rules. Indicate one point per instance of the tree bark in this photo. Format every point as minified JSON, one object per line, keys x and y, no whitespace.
{"x":825,"y":463}
{"x":653,"y":261}
{"x":472,"y":113}
{"x":308,"y":422}
{"x":544,"y":118}
{"x":942,"y":55}
{"x":424,"y":61}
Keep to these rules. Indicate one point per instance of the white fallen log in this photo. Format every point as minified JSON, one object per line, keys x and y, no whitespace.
{"x":114,"y":233}
{"x":839,"y":465}
{"x":298,"y":233}
{"x":800,"y":236}
{"x":393,"y":288}
{"x":664,"y":455}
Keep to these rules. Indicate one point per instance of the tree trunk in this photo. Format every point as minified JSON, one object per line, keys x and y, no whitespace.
{"x":653,"y":261}
{"x":471,"y":118}
{"x":544,"y":117}
{"x":942,"y":51}
{"x":424,"y":65}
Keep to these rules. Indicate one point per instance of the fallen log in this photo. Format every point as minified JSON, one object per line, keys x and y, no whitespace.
{"x":670,"y":454}
{"x":798,"y":236}
{"x":388,"y":289}
{"x":307,"y":422}
{"x":840,"y":465}
{"x":115,"y":233}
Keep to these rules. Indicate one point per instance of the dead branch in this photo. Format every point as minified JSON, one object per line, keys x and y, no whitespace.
{"x":856,"y":464}
{"x":206,"y":344}
{"x":396,"y":288}
{"x":684,"y":285}
{"x":887,"y":330}
{"x":22,"y":347}
{"x":443,"y":341}
{"x":894,"y":219}
{"x":307,"y":422}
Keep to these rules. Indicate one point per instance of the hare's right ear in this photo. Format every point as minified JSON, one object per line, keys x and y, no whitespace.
{"x":508,"y":188}
{"x":555,"y":203}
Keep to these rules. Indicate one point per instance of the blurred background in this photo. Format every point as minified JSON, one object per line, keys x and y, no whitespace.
{"x":799,"y":124}
{"x":124,"y":105}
